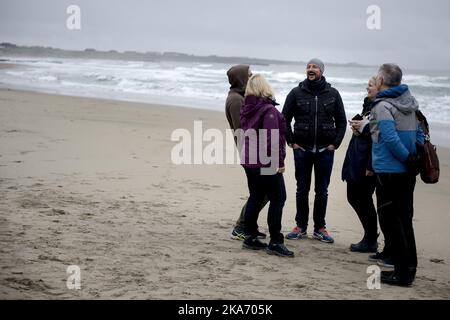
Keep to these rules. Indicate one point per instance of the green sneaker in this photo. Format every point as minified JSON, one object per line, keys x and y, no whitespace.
{"x":237,"y":234}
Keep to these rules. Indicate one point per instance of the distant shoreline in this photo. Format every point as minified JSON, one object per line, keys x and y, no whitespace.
{"x":91,"y":53}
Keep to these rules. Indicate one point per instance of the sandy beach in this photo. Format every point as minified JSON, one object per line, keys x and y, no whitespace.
{"x":90,"y":182}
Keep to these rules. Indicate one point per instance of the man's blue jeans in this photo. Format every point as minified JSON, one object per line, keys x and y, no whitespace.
{"x":322,"y":162}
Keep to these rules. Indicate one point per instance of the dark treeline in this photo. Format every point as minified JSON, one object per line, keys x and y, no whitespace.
{"x":10,"y":49}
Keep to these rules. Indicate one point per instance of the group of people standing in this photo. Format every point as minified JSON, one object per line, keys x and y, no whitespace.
{"x":313,"y":123}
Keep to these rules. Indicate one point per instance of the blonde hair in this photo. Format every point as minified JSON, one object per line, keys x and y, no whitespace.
{"x":258,"y":86}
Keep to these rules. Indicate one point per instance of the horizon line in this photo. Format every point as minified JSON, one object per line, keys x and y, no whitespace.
{"x":191,"y":55}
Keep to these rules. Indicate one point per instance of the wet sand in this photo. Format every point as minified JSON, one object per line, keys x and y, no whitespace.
{"x":90,"y":182}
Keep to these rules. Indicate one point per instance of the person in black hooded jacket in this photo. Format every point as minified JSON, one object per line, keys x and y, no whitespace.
{"x":357,"y":171}
{"x":238,"y":77}
{"x":319,"y":127}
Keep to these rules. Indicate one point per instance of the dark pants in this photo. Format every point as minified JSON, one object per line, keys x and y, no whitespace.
{"x":304,"y":163}
{"x":395,"y":194}
{"x":360,"y":197}
{"x":261,"y":186}
{"x":240,"y":223}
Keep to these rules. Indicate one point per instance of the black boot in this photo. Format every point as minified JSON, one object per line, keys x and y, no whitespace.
{"x":279,"y":249}
{"x":253,"y":243}
{"x":392,"y":278}
{"x":367,"y":244}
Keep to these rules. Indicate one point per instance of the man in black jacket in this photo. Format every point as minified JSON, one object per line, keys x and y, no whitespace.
{"x":319,"y":127}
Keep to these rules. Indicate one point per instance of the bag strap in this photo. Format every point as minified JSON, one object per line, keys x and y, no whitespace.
{"x":424,"y":124}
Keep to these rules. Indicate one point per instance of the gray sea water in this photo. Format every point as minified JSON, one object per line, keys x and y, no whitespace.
{"x":206,"y":85}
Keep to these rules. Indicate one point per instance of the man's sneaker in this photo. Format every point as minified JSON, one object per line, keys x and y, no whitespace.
{"x":260,"y":235}
{"x":386,"y":262}
{"x":297,"y":233}
{"x":390,"y":277}
{"x":322,"y":235}
{"x":279,"y":249}
{"x":253,"y":244}
{"x":237,"y":234}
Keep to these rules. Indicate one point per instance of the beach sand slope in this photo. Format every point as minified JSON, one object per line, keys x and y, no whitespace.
{"x":91,"y":183}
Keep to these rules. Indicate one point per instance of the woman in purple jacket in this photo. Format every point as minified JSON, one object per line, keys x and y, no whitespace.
{"x":263,"y":150}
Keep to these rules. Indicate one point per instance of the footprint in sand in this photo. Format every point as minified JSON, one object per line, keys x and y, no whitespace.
{"x":54,"y":212}
{"x":38,"y":286}
{"x":439,"y":261}
{"x":51,"y":258}
{"x":37,"y":185}
{"x":201,"y":186}
{"x":27,"y":204}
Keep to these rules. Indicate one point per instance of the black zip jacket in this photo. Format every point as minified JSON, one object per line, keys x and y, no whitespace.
{"x":319,"y":118}
{"x":358,"y":158}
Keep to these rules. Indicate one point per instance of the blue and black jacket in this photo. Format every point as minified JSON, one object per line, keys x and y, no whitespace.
{"x":394,"y":129}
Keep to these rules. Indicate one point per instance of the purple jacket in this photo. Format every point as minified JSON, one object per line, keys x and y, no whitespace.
{"x":260,"y":113}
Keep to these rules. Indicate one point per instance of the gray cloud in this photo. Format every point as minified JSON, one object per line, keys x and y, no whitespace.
{"x":414,"y":33}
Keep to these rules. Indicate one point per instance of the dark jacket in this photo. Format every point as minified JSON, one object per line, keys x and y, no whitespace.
{"x":237,"y":77}
{"x":260,"y":113}
{"x":319,"y":119}
{"x":358,"y":158}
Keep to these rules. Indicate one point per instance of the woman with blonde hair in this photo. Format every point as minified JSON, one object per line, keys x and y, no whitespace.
{"x":261,"y":121}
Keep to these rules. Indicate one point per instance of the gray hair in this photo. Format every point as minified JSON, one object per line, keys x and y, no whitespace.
{"x":391,"y":74}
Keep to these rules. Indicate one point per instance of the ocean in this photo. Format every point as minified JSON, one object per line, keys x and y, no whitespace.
{"x":206,"y":86}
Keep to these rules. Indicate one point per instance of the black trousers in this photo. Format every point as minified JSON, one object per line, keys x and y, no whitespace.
{"x":395,"y":197}
{"x":240,"y":223}
{"x":360,"y":197}
{"x":261,"y":186}
{"x":322,"y":162}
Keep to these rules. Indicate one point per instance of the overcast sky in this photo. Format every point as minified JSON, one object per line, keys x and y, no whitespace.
{"x":413,"y":33}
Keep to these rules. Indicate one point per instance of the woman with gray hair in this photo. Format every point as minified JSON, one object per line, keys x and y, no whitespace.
{"x":358,"y":173}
